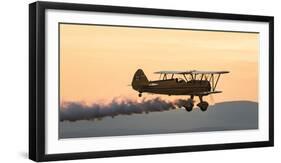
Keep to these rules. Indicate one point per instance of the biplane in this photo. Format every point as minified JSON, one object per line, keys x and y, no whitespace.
{"x":191,"y":83}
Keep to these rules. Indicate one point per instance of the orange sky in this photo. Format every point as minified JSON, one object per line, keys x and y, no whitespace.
{"x":97,"y":63}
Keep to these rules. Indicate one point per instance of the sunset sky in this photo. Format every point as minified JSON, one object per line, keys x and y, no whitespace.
{"x":97,"y":63}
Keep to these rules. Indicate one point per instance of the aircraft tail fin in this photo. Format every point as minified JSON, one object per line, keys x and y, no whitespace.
{"x":139,"y":80}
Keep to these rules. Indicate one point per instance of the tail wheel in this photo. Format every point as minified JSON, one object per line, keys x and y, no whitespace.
{"x":203,"y":105}
{"x":140,"y":94}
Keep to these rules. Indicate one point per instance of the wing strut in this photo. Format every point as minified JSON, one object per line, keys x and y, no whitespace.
{"x":214,"y":82}
{"x":217,"y":82}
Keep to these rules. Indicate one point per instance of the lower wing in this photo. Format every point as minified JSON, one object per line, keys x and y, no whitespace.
{"x":207,"y":93}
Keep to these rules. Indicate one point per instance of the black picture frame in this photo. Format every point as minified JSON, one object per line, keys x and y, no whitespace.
{"x":37,"y":80}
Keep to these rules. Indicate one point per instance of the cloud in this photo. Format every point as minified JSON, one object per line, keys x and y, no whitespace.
{"x":73,"y":111}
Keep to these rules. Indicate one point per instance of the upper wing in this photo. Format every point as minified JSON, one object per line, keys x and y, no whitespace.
{"x":191,"y":72}
{"x":174,"y":72}
{"x":210,"y":72}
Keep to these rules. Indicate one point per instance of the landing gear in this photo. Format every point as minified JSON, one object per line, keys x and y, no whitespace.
{"x":203,"y":105}
{"x":140,"y":94}
{"x":189,"y":104}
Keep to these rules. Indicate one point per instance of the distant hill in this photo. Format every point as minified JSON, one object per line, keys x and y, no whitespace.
{"x":233,"y":115}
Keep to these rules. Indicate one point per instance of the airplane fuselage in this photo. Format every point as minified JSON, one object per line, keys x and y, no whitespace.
{"x":176,"y":87}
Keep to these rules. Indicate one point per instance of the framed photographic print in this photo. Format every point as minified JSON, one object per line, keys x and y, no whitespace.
{"x":118,"y":81}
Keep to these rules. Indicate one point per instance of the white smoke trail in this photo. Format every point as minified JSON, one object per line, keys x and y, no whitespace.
{"x":73,"y":111}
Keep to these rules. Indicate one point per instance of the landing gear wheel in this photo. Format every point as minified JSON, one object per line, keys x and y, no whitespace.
{"x":139,"y":94}
{"x":188,"y":108}
{"x":203,"y":105}
{"x":189,"y":105}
